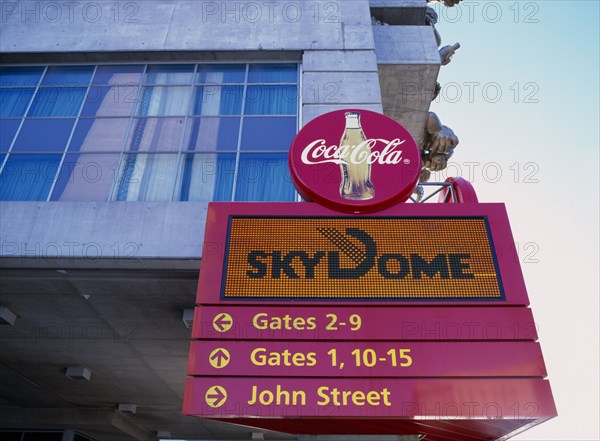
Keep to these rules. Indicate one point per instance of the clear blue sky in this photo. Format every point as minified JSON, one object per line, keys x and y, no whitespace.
{"x":544,"y":140}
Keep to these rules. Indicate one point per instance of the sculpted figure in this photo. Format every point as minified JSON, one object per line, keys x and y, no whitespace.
{"x":376,"y":22}
{"x":446,"y":53}
{"x":438,"y":144}
{"x":431,"y":18}
{"x":448,"y":3}
{"x":436,"y":148}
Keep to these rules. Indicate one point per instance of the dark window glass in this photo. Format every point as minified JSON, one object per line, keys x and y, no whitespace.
{"x":209,"y":134}
{"x":110,"y":101}
{"x":170,"y":74}
{"x":20,"y":76}
{"x":118,"y":75}
{"x":8,"y":128}
{"x":85,"y":177}
{"x":268,"y":133}
{"x":271,"y":100}
{"x":43,"y":436}
{"x":155,"y":134}
{"x":57,"y":101}
{"x":28,"y":177}
{"x":102,"y":134}
{"x":44,"y":135}
{"x":14,"y":102}
{"x":221,"y":73}
{"x":264,"y":178}
{"x":10,"y":436}
{"x":68,"y":76}
{"x":273,"y":73}
{"x":206,"y":177}
{"x":218,"y":100}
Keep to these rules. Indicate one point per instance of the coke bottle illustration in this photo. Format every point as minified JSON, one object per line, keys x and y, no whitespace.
{"x":356,"y":168}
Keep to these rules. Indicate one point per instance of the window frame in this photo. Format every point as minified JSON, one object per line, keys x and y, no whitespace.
{"x":123,"y":152}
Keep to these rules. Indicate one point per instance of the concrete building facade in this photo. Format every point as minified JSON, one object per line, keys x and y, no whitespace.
{"x":98,"y":279}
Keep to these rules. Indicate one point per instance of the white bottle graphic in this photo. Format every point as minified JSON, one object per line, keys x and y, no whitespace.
{"x":356,"y":176}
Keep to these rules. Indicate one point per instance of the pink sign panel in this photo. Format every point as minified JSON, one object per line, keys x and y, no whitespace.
{"x":281,"y":266}
{"x":365,"y":359}
{"x":489,"y":398}
{"x":365,"y":323}
{"x":355,"y":161}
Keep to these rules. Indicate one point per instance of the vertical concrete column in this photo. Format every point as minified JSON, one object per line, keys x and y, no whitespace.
{"x":339,"y":79}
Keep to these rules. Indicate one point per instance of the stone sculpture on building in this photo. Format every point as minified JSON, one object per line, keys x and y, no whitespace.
{"x":448,"y":3}
{"x":439,"y":141}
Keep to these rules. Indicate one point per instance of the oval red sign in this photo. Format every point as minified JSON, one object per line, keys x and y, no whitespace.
{"x":355,"y":161}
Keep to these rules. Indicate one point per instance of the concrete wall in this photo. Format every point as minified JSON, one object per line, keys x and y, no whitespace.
{"x":336,"y":37}
{"x":97,"y":234}
{"x":179,"y":25}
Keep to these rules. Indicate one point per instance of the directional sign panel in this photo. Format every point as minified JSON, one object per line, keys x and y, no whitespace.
{"x":458,"y":253}
{"x":371,"y":359}
{"x":411,"y":321}
{"x":367,"y":323}
{"x":375,"y":398}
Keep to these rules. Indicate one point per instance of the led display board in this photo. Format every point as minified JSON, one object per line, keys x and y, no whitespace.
{"x":304,"y":253}
{"x":360,"y":258}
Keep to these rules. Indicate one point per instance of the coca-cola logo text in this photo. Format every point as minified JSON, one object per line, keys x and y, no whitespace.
{"x":318,"y":152}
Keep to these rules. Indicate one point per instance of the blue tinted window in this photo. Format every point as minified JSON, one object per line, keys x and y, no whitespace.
{"x":218,"y":100}
{"x":264,"y":178}
{"x":146,"y":177}
{"x":273,"y":73}
{"x":68,"y":76}
{"x":164,"y":101}
{"x":207,"y":134}
{"x":206,"y":177}
{"x":271,"y":100}
{"x":57,"y":101}
{"x":102,"y":134}
{"x":268,"y":133}
{"x":20,"y":76}
{"x":28,"y":177}
{"x":8,"y":128}
{"x":14,"y":102}
{"x":85,"y":177}
{"x":221,"y":73}
{"x":155,"y":134}
{"x":110,"y":101}
{"x":170,"y":74}
{"x":121,"y":75}
{"x":43,"y":135}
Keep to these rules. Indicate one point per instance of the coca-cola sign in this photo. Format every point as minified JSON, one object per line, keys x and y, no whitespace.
{"x":355,"y":161}
{"x":319,"y":153}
